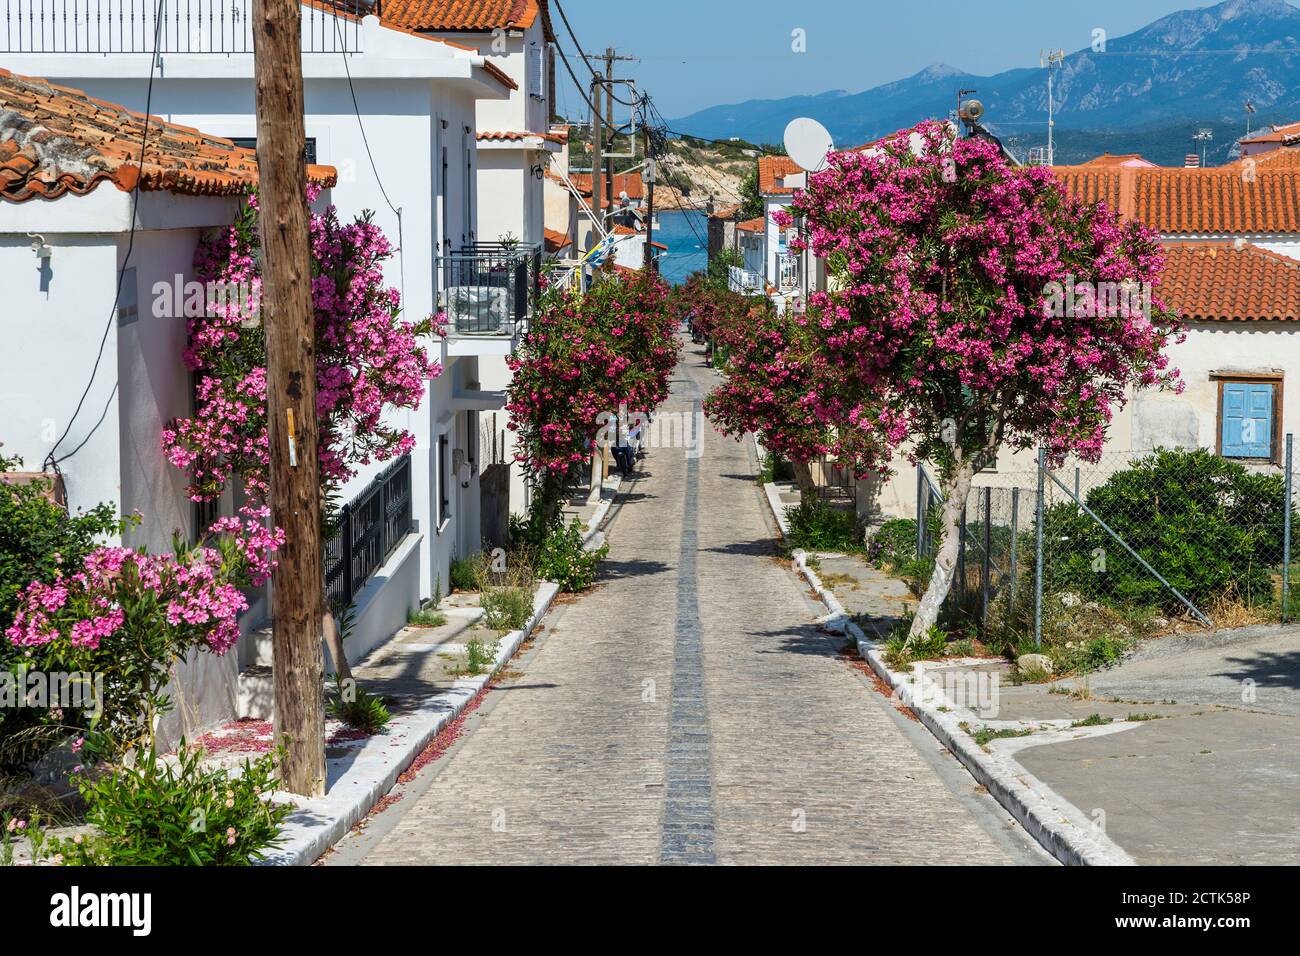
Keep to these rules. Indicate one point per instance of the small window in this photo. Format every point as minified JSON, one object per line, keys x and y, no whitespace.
{"x":444,"y":481}
{"x":1248,"y":419}
{"x":250,"y":142}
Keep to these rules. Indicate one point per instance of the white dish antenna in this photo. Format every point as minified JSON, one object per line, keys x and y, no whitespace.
{"x":807,"y":142}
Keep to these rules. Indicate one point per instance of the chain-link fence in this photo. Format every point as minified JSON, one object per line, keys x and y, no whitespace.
{"x":1136,"y":543}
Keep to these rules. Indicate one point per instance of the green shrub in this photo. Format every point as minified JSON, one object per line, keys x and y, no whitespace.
{"x":479,"y":655}
{"x":464,"y":575}
{"x":816,"y":526}
{"x":165,"y":813}
{"x":563,"y":560}
{"x":1210,"y":526}
{"x":38,"y":541}
{"x":356,"y":707}
{"x":507,"y":608}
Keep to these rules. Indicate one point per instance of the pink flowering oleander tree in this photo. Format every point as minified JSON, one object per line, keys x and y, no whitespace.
{"x":126,"y":616}
{"x":975,"y":306}
{"x":369,"y":363}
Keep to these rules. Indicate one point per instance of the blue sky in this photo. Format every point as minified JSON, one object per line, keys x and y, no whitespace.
{"x":698,"y":53}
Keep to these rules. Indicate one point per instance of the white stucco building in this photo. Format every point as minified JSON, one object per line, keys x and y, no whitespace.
{"x":66,"y":242}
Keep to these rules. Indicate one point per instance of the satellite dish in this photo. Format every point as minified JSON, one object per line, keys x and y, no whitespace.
{"x":971,"y":111}
{"x":807,"y":143}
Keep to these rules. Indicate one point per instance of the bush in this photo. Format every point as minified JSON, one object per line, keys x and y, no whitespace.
{"x":39,"y":540}
{"x":479,"y":656}
{"x":1210,"y":526}
{"x":164,"y":813}
{"x":563,"y":560}
{"x":507,"y":608}
{"x":357,"y":708}
{"x":816,"y":526}
{"x":464,"y":575}
{"x":554,"y":551}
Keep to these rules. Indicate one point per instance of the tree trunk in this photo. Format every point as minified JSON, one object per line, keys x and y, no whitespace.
{"x":333,"y":639}
{"x":955,"y":491}
{"x":804,"y":479}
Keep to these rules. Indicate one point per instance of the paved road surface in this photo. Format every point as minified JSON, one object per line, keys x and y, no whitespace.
{"x":686,"y":712}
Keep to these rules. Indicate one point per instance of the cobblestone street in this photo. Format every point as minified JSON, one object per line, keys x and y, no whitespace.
{"x":688,"y":711}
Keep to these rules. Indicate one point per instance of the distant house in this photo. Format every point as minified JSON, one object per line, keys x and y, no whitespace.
{"x":1270,"y":139}
{"x":79,"y":275}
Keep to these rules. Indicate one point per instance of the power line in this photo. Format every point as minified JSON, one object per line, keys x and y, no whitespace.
{"x":50,"y":460}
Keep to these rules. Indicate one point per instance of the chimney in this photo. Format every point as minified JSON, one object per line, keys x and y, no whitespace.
{"x":1193,"y":161}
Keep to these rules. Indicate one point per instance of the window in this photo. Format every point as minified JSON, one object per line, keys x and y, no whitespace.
{"x":1248,"y":418}
{"x":535,"y":72}
{"x":444,"y":481}
{"x":250,"y":142}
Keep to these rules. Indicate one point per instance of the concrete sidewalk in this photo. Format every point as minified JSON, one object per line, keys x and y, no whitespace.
{"x":1193,"y":758}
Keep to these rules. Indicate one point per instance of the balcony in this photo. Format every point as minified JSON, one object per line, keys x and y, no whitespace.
{"x":106,"y":27}
{"x":488,"y":293}
{"x":744,"y":281}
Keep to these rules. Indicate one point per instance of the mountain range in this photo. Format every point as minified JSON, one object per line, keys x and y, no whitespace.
{"x":1144,"y":92}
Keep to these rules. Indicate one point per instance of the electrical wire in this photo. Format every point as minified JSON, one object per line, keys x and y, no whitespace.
{"x":50,"y":460}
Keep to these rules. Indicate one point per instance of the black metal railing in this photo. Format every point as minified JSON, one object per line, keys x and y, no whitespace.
{"x":490,"y":288}
{"x":187,"y":26}
{"x":369,"y":529}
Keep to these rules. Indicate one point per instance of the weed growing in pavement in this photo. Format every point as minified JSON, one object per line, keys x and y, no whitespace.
{"x":982,"y":735}
{"x":480,"y":655}
{"x":426,"y":617}
{"x":1093,"y":720}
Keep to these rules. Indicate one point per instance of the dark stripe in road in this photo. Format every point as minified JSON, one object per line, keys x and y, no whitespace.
{"x":688,"y":793}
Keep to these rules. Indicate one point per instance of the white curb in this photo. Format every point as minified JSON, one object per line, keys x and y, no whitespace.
{"x":1052,"y":820}
{"x":321,"y":822}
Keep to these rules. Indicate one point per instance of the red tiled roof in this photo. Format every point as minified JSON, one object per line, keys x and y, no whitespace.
{"x":520,"y":135}
{"x":770,"y":171}
{"x":469,"y":16}
{"x":753,"y":225}
{"x":555,"y":240}
{"x":55,"y":140}
{"x":1135,"y":160}
{"x":1286,"y":133}
{"x":1174,"y":201}
{"x":1219,"y":282}
{"x":1286,"y":157}
{"x":630,"y":183}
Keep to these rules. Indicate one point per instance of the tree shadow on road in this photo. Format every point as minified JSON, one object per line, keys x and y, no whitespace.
{"x":1266,"y":669}
{"x":631,"y":568}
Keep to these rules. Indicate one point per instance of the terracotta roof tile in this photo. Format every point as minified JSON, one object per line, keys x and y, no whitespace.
{"x":555,"y":240}
{"x":1188,"y":201}
{"x":1220,"y":281}
{"x":1135,"y":160}
{"x":55,"y":140}
{"x":1286,"y":133}
{"x":520,"y":135}
{"x":753,"y":225}
{"x":770,"y":171}
{"x":468,"y":16}
{"x":631,"y":183}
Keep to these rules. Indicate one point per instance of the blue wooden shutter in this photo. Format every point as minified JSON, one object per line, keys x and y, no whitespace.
{"x":1247,"y":419}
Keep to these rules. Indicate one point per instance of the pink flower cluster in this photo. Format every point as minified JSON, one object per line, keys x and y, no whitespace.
{"x":367,"y":358}
{"x":194,"y":595}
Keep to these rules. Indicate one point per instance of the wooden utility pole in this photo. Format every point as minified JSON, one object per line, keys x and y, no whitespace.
{"x":597,"y":156}
{"x":290,"y":392}
{"x":651,"y":174}
{"x":610,"y":57}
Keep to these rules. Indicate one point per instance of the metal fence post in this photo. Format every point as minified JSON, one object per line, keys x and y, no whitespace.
{"x":345,"y":527}
{"x":920,"y":512}
{"x":1015,"y":534}
{"x":1038,"y":552}
{"x":988,"y":561}
{"x":1286,"y":534}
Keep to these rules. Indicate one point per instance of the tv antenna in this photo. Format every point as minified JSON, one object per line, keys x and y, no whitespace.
{"x":1051,"y":61}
